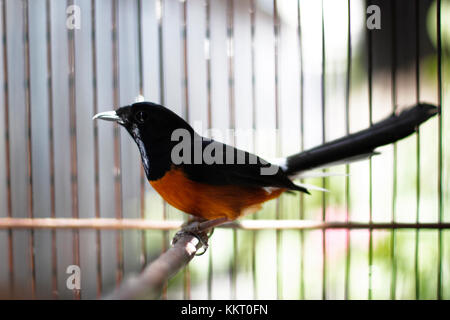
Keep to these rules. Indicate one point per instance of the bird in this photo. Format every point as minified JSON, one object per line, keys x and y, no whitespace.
{"x":217,"y":183}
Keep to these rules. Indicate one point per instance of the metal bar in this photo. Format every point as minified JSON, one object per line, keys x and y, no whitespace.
{"x":234,"y":266}
{"x":230,"y":50}
{"x":209,"y":118}
{"x":96,"y":148}
{"x":210,"y":275}
{"x":347,"y":167}
{"x":7,"y":147}
{"x":142,"y":177}
{"x":324,"y":181}
{"x":208,"y":61}
{"x":417,"y":240}
{"x":232,"y":114}
{"x":185,"y":60}
{"x":394,"y":148}
{"x":254,"y":110}
{"x":159,"y":16}
{"x":440,"y":142}
{"x":73,"y":145}
{"x":302,"y":147}
{"x":276,"y":34}
{"x":30,"y":207}
{"x":186,"y":273}
{"x":55,"y":293}
{"x":250,"y":224}
{"x":117,"y":159}
{"x":370,"y":87}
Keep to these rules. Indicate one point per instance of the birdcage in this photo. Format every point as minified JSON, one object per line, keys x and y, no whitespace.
{"x":284,"y":76}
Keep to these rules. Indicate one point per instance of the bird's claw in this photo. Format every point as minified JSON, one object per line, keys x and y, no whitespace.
{"x":193,"y":229}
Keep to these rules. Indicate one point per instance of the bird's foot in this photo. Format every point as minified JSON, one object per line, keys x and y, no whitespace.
{"x":192,"y":227}
{"x":200,"y":228}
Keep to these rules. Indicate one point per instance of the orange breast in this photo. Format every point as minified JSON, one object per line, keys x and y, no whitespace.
{"x":209,"y":201}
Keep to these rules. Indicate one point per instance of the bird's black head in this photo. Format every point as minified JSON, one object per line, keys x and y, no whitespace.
{"x":147,"y":120}
{"x":151,"y":126}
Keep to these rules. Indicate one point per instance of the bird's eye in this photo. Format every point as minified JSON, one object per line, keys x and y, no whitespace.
{"x":141,"y":116}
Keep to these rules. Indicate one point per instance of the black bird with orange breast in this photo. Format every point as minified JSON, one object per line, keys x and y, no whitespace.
{"x":238,"y":182}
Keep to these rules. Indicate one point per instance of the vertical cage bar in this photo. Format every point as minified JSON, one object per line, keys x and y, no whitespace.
{"x":29,"y":142}
{"x":73,"y":145}
{"x":7,"y":148}
{"x":51,"y":156}
{"x":252,"y":57}
{"x":276,"y":33}
{"x":324,"y":185}
{"x":117,"y":152}
{"x":208,"y":62}
{"x":417,"y":240}
{"x":394,"y":150}
{"x":302,"y":147}
{"x":347,"y":166}
{"x":186,"y":274}
{"x":440,"y":159}
{"x":230,"y":39}
{"x":159,"y":16}
{"x":185,"y":60}
{"x":209,"y":117}
{"x":142,"y":178}
{"x":30,"y":206}
{"x":96,"y":149}
{"x":232,"y":114}
{"x":370,"y":98}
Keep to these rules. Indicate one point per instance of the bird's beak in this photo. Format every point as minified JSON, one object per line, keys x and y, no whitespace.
{"x":108,"y":116}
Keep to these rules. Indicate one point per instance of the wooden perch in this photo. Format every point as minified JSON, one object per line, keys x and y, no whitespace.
{"x":149,"y":284}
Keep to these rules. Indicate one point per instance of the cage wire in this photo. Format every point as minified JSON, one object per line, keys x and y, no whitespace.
{"x":73,"y":191}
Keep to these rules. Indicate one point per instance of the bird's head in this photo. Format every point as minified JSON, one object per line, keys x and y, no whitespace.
{"x":151,"y":125}
{"x":146,"y":120}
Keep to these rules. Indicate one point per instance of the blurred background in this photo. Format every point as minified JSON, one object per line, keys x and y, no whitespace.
{"x":292,"y":73}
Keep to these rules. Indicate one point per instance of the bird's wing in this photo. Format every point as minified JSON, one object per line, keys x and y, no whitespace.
{"x":232,"y":166}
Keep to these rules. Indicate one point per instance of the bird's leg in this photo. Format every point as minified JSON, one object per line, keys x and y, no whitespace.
{"x":198,"y":227}
{"x":193,"y":220}
{"x":204,"y":225}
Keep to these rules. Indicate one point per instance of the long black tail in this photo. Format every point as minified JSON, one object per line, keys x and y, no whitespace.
{"x":362,"y":143}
